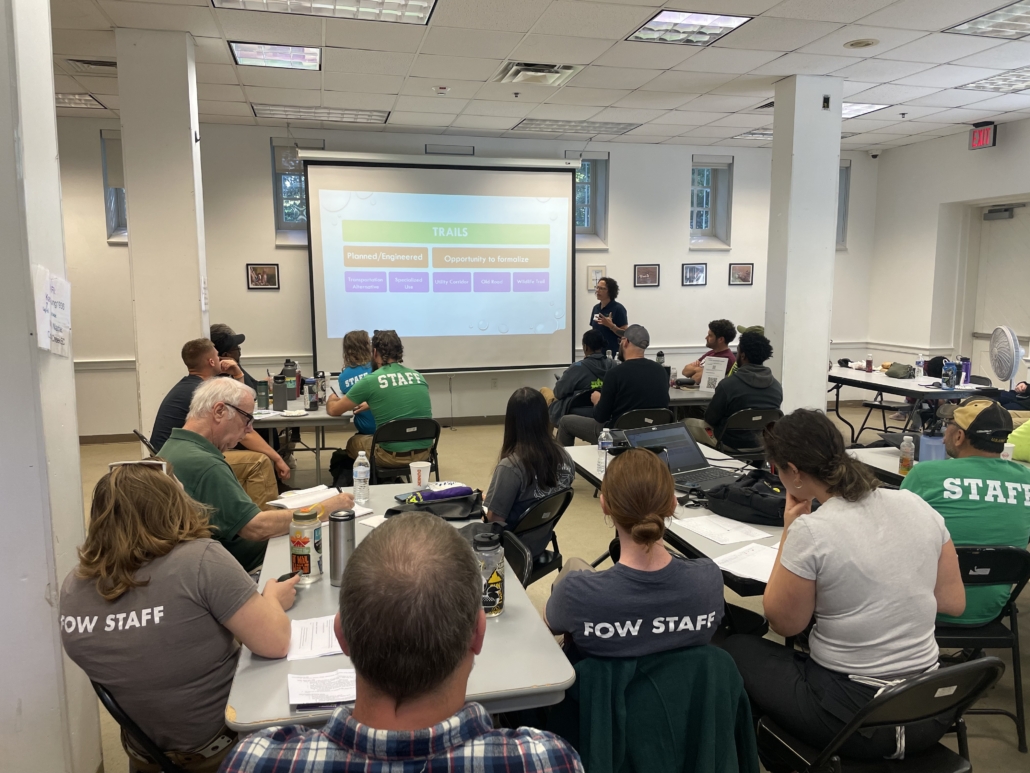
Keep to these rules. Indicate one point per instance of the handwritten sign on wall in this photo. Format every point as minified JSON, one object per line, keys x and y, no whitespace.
{"x":53,"y":311}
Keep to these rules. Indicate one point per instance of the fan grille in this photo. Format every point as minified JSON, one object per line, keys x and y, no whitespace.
{"x":1003,"y":353}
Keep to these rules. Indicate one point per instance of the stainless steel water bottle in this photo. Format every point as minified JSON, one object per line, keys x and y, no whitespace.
{"x":341,"y":544}
{"x":279,"y":393}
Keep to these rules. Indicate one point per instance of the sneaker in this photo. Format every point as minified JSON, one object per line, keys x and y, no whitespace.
{"x":898,"y":416}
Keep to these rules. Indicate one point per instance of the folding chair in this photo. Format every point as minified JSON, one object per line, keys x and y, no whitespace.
{"x":878,"y":404}
{"x":130,"y":727}
{"x":146,"y":443}
{"x":517,"y":556}
{"x":536,"y":529}
{"x":403,"y":431}
{"x":751,"y":420}
{"x":644,"y":417}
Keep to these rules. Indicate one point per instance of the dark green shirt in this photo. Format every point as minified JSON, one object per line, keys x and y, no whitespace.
{"x":395,"y":392}
{"x":209,"y":479}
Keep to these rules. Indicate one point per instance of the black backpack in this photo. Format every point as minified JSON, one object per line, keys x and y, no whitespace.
{"x":757,"y":498}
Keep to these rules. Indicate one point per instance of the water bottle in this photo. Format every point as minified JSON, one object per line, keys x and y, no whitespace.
{"x":920,"y":365}
{"x":290,"y":371}
{"x":306,"y":544}
{"x":908,"y":453}
{"x":279,"y":390}
{"x":362,"y":470}
{"x":604,"y":443}
{"x":491,"y":561}
{"x":608,"y":353}
{"x":341,"y":544}
{"x":660,"y":358}
{"x":869,"y":363}
{"x":310,"y":395}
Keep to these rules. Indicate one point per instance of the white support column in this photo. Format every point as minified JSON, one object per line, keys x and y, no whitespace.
{"x":802,"y":235}
{"x":49,"y":721}
{"x":164,"y":203}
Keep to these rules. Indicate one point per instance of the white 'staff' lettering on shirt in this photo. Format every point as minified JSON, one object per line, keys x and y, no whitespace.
{"x":977,"y":490}
{"x":658,"y":625}
{"x":121,"y":621}
{"x":399,"y":379}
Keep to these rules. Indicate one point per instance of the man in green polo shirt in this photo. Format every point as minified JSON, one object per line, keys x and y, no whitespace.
{"x":391,"y":392}
{"x":984,"y":499}
{"x":221,"y":412}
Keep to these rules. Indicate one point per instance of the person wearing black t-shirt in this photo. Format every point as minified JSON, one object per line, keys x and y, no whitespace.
{"x":637,"y":383}
{"x":608,"y":317}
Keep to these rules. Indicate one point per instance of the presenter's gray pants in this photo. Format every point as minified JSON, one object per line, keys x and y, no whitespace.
{"x":582,"y":427}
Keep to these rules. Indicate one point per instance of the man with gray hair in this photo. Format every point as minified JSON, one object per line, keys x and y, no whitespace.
{"x":412,"y":667}
{"x":221,"y":412}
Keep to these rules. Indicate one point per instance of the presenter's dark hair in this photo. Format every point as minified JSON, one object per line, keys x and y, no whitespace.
{"x":389,"y":345}
{"x":357,"y":349}
{"x":612,"y":285}
{"x":593,"y":340}
{"x":755,"y":347}
{"x":811,"y":442}
{"x":527,"y":437}
{"x":723,"y":329}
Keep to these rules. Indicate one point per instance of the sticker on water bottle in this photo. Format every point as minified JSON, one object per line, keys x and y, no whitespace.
{"x":493,"y":593}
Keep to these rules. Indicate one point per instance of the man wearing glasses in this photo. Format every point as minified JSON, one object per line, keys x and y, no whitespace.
{"x":221,"y":413}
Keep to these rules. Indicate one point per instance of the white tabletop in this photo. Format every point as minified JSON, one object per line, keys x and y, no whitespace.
{"x":885,"y":459}
{"x":311,"y":419}
{"x":521,"y":666}
{"x":914,"y":386}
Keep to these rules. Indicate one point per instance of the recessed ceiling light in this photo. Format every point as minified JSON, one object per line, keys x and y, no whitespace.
{"x":685,"y":28}
{"x":77,"y":100}
{"x":1011,"y":23}
{"x":321,"y":114}
{"x":855,"y":109}
{"x":862,"y":43}
{"x":756,"y":134}
{"x":1013,"y":80}
{"x":400,"y":11}
{"x":268,"y":55}
{"x":577,"y":127}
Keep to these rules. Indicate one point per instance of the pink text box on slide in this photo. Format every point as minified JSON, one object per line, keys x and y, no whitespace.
{"x":365,"y":281}
{"x":452,"y":282}
{"x":531,"y":281}
{"x":409,"y":281}
{"x":492,"y":281}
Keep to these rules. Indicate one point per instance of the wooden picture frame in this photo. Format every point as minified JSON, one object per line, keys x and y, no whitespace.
{"x":694,"y":274}
{"x":742,"y":274}
{"x":262,"y":276}
{"x":594,"y":274}
{"x":647,"y":275}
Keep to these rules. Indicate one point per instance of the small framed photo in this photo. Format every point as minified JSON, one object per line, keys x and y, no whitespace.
{"x":646,"y":275}
{"x":594,"y":274}
{"x":742,"y":273}
{"x":695,"y":274}
{"x":262,"y":276}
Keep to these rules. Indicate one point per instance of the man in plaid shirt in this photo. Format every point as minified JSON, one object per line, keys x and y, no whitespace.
{"x":411,"y":620}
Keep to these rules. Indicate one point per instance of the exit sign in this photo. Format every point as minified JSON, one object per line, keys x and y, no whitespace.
{"x":983,"y":137}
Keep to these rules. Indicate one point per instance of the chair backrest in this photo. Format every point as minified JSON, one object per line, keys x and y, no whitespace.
{"x":402,"y":431}
{"x":537,"y":525}
{"x":517,"y":556}
{"x":751,"y":420}
{"x":146,"y":443}
{"x":939,"y":693}
{"x":995,"y":565}
{"x":644,"y":417}
{"x":130,"y":727}
{"x":980,"y":380}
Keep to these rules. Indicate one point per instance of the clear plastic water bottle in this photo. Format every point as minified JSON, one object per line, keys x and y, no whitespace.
{"x":920,"y":364}
{"x":362,"y":471}
{"x":908,"y":453}
{"x":608,"y":353}
{"x":491,"y":560}
{"x":604,"y":443}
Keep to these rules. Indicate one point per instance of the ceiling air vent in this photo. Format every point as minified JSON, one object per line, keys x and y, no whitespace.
{"x":766,"y":106}
{"x":92,"y":66}
{"x":543,"y":74}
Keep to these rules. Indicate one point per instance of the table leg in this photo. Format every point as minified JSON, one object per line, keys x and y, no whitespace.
{"x":836,"y":410}
{"x":318,"y":457}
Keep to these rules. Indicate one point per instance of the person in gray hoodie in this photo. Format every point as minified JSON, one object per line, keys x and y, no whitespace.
{"x":751,"y":385}
{"x":579,"y":380}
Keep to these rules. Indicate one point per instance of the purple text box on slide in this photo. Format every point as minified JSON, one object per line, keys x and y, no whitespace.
{"x":531,"y":281}
{"x":452,"y":282}
{"x":409,"y":281}
{"x":365,"y":281}
{"x":492,"y":281}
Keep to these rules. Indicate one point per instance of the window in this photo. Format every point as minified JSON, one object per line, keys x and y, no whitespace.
{"x":288,"y":186}
{"x":701,"y":201}
{"x":843,"y":194}
{"x":591,"y":199}
{"x":586,"y":180}
{"x":711,"y":191}
{"x":114,"y":187}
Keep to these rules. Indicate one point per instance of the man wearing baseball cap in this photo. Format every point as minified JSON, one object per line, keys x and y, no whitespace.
{"x":984,"y":499}
{"x":637,"y":383}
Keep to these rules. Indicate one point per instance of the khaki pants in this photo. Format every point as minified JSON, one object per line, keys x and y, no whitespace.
{"x":700,"y":431}
{"x":191,"y":763}
{"x":384,"y":458}
{"x":255,"y":473}
{"x":548,"y":394}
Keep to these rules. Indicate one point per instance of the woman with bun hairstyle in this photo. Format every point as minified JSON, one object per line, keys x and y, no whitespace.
{"x":873,"y":567}
{"x":650,"y":600}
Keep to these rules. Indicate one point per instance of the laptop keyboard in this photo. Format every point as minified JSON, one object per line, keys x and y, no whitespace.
{"x":700,"y":476}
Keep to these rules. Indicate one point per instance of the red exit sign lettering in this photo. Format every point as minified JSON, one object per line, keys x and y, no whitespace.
{"x":983,"y":137}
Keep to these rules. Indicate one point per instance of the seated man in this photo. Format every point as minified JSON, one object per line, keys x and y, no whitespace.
{"x":391,"y":392}
{"x":579,"y":379}
{"x":981,"y":496}
{"x":720,"y":335}
{"x":1015,"y":399}
{"x":751,"y":385}
{"x":221,"y":413}
{"x":412,"y":665}
{"x":637,"y":383}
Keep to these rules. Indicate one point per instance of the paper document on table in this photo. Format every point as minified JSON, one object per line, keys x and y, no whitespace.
{"x":304,"y":497}
{"x":265,"y":414}
{"x":375,"y":520}
{"x":317,"y":690}
{"x":313,"y":638}
{"x":753,"y":561}
{"x":724,"y":531}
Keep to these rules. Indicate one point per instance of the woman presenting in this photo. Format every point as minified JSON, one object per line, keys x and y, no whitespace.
{"x":608,"y":317}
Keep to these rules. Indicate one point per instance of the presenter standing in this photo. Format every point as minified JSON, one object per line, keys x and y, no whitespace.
{"x":608,"y":317}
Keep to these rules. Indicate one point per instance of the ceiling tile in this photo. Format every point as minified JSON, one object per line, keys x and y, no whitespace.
{"x":940,"y":48}
{"x":423,"y":87}
{"x":805,"y":64}
{"x":217,"y":92}
{"x":693,"y":141}
{"x":205,"y":107}
{"x":484,"y":122}
{"x":947,"y":76}
{"x":458,"y":67}
{"x":372,"y":62}
{"x":528,"y":92}
{"x":508,"y":15}
{"x":76,"y":15}
{"x":866,"y":124}
{"x":961,"y":115}
{"x":770,"y":34}
{"x":845,"y":11}
{"x":429,"y":105}
{"x":891,"y":94}
{"x":661,"y":100}
{"x":463,"y":132}
{"x":483,"y":44}
{"x":737,"y":143}
{"x":565,"y":112}
{"x":110,"y":101}
{"x":372,"y":84}
{"x":85,"y":112}
{"x":355,"y":101}
{"x":237,"y":120}
{"x":211,"y":51}
{"x":688,"y":82}
{"x":555,"y":49}
{"x":83,"y":43}
{"x":1005,"y":103}
{"x":626,"y":115}
{"x":216,"y":73}
{"x":281,"y":78}
{"x":952,"y":98}
{"x":598,"y":77}
{"x":724,"y":60}
{"x":853,"y":87}
{"x":736,"y":7}
{"x":153,"y":16}
{"x":1019,"y":115}
{"x":690,"y":118}
{"x":627,"y":53}
{"x":882,"y":70}
{"x":599,"y":97}
{"x":420,"y":119}
{"x":1007,"y":56}
{"x":930,"y":15}
{"x":267,"y":96}
{"x":713,"y":103}
{"x":713,"y":131}
{"x":369,"y":35}
{"x":592,"y":20}
{"x":520,"y":135}
{"x":638,"y":139}
{"x":749,"y":86}
{"x":260,"y":27}
{"x":745,"y":120}
{"x":65,"y":84}
{"x":98,"y":84}
{"x":834,"y":42}
{"x":414,"y":129}
{"x":656,"y":130}
{"x":487,"y":107}
{"x":911,"y":111}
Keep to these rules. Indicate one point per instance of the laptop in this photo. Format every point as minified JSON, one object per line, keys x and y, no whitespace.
{"x":687,"y":463}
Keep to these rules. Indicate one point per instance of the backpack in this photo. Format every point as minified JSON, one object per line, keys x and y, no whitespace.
{"x":757,"y":498}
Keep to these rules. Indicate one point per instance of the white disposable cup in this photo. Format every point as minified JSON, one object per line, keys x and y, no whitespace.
{"x":1007,"y":453}
{"x":420,"y":474}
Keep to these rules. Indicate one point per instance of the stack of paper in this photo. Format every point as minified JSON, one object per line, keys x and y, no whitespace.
{"x":322,"y":691}
{"x":291,"y":500}
{"x":313,"y":638}
{"x":752,"y":561}
{"x":723,"y":531}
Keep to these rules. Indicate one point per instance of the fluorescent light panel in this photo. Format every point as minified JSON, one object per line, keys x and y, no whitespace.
{"x":268,"y":55}
{"x":855,"y":109}
{"x":1006,"y":82}
{"x":1010,"y":23}
{"x":399,"y":11}
{"x":577,"y":127}
{"x":78,"y":100}
{"x":686,"y":28}
{"x":321,"y":114}
{"x":766,"y":135}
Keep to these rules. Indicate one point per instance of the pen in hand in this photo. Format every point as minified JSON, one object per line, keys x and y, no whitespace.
{"x":333,"y":391}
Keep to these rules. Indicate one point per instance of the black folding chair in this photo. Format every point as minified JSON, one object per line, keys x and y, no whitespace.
{"x":750,"y":420}
{"x":1003,"y":565}
{"x":517,"y":556}
{"x":644,"y":417}
{"x":130,"y":727}
{"x":881,"y":405}
{"x":980,"y":381}
{"x":146,"y":443}
{"x":946,"y":692}
{"x":536,"y":529}
{"x":403,"y":431}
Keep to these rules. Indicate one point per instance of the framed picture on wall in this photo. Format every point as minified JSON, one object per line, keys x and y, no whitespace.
{"x":594,"y":274}
{"x":646,"y":275}
{"x":742,"y":273}
{"x":695,"y":274}
{"x":262,"y":276}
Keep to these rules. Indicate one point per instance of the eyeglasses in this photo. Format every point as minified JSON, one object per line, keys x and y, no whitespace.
{"x":157,"y":464}
{"x":248,"y":417}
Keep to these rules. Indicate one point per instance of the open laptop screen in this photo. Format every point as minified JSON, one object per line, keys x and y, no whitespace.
{"x":682,"y":449}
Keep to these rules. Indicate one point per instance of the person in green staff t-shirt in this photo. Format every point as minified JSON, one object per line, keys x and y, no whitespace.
{"x":391,"y":391}
{"x":984,"y":499}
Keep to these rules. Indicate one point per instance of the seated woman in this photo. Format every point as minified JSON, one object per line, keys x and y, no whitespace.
{"x":873,"y":566}
{"x":357,"y":363}
{"x":153,"y":609}
{"x":650,"y":601}
{"x":532,"y":464}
